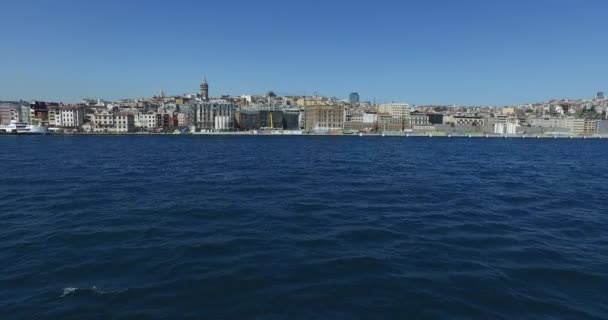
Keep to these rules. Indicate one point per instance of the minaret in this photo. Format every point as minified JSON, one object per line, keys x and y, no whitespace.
{"x":205,"y":90}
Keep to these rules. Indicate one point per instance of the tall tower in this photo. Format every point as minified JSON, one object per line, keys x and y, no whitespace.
{"x":353,"y":98}
{"x":205,"y":90}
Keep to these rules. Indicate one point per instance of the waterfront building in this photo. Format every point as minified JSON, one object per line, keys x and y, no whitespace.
{"x":54,"y":116}
{"x":421,"y":122}
{"x":247,"y":120}
{"x":292,"y":119}
{"x":573,"y":125}
{"x":322,"y":118}
{"x":145,"y":121}
{"x":39,"y":112}
{"x":124,"y":122}
{"x":271,"y":119}
{"x":590,"y":126}
{"x":390,"y":123}
{"x":373,"y":121}
{"x":24,"y":113}
{"x":104,"y":121}
{"x":167,"y":121}
{"x":8,"y":113}
{"x":288,"y":119}
{"x":216,"y":116}
{"x":353,"y":98}
{"x":419,"y":119}
{"x":71,"y":116}
{"x":505,"y":128}
{"x":360,"y":121}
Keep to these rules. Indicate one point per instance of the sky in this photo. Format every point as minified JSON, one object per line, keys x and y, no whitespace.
{"x":471,"y":52}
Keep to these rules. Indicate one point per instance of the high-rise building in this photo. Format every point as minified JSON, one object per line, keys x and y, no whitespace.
{"x":600,"y":96}
{"x":354,"y":98}
{"x":205,"y":90}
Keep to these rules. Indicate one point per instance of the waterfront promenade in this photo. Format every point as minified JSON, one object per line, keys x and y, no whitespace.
{"x":377,"y":135}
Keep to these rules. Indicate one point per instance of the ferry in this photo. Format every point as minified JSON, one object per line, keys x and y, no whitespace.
{"x":22,"y":128}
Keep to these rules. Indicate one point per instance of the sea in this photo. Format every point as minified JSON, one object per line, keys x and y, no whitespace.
{"x":302,"y":227}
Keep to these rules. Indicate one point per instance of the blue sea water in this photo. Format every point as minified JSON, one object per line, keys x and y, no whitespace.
{"x":181,"y":227}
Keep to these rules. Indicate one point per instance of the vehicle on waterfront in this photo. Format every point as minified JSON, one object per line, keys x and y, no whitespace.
{"x":22,"y":128}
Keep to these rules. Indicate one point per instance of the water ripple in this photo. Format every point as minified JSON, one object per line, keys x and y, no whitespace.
{"x":302,"y":228}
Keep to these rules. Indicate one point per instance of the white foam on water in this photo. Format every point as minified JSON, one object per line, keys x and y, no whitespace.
{"x":72,"y":291}
{"x":68,"y":291}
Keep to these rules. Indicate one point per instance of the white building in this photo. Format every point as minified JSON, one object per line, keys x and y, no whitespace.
{"x":118,"y":122}
{"x":146,"y":120}
{"x":362,"y":117}
{"x":24,"y":114}
{"x":247,"y":98}
{"x":396,"y":110}
{"x":369,"y":117}
{"x":181,"y":119}
{"x":222,"y":123}
{"x":124,"y":122}
{"x":71,"y":116}
{"x":505,"y":128}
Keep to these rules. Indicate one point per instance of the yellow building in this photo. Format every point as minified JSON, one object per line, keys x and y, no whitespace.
{"x":508,"y":111}
{"x":590,"y":127}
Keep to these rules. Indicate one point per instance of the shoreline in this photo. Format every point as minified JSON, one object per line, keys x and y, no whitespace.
{"x":376,"y":135}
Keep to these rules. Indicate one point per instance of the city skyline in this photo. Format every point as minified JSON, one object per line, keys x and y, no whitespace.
{"x":470,"y":53}
{"x":346,"y":98}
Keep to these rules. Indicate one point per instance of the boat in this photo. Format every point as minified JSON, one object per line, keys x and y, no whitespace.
{"x":22,"y":128}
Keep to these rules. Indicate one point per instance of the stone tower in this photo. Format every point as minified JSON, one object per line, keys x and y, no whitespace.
{"x":205,"y":90}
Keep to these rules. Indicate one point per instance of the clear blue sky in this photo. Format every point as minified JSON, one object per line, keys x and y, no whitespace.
{"x":422,"y":52}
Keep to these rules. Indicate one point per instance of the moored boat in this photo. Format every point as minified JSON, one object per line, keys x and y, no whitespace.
{"x":22,"y":128}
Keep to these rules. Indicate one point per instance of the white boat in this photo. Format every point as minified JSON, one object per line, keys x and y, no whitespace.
{"x":22,"y":128}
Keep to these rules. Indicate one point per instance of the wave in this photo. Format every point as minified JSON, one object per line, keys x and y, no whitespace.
{"x":72,"y":291}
